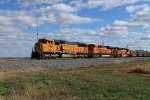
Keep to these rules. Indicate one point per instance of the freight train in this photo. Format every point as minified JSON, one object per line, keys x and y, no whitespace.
{"x":49,"y":48}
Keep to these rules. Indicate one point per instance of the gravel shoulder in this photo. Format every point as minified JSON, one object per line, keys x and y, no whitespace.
{"x":21,"y":64}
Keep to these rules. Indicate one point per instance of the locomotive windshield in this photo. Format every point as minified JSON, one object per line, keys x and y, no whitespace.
{"x":44,"y":41}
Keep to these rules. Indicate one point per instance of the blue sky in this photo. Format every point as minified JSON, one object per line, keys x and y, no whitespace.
{"x":116,"y":22}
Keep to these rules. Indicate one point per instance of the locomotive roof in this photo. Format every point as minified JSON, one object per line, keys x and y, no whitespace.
{"x":125,"y":48}
{"x":119,"y":48}
{"x":82,"y":44}
{"x":46,"y":39}
{"x":65,"y":42}
{"x":74,"y":43}
{"x":91,"y":44}
{"x":109,"y":47}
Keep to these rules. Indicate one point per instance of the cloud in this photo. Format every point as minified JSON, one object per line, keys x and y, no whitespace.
{"x":15,"y":48}
{"x":58,"y":8}
{"x":140,"y":18}
{"x":136,"y":42}
{"x":17,"y":18}
{"x":27,"y":3}
{"x":88,"y":35}
{"x":109,"y":4}
{"x":78,"y":35}
{"x":133,"y":8}
{"x":67,"y":18}
{"x":114,"y":31}
{"x":62,"y":14}
{"x":14,"y":42}
{"x":58,"y":14}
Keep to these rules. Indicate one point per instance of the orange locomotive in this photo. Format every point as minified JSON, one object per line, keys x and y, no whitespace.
{"x":48,"y":48}
{"x":45,"y":48}
{"x":107,"y":50}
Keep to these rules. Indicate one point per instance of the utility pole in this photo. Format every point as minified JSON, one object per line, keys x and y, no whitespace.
{"x":37,"y":32}
{"x":127,"y":46}
{"x":103,"y":43}
{"x":140,"y":47}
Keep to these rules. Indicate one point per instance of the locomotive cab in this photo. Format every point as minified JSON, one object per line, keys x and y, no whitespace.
{"x":44,"y":45}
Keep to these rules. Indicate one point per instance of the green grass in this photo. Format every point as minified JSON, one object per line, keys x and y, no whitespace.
{"x":4,"y":90}
{"x":96,"y":83}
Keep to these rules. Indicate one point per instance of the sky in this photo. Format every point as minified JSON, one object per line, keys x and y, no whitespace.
{"x":114,"y":22}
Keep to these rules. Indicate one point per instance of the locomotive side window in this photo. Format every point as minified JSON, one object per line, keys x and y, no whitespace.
{"x":56,"y":43}
{"x":50,"y":42}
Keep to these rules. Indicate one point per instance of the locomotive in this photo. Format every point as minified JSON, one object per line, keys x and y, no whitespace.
{"x":49,"y":48}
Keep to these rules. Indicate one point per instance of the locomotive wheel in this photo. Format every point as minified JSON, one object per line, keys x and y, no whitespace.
{"x":60,"y":55}
{"x":112,"y":56}
{"x":74,"y":57}
{"x":100,"y":55}
{"x":115,"y":55}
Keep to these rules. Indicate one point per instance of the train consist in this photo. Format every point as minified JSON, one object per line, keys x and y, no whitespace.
{"x":46,"y":48}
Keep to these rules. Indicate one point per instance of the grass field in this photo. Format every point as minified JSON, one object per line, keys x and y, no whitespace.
{"x":126,"y":81}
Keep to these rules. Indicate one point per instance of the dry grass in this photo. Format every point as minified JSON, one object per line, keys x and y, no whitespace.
{"x":5,"y":75}
{"x":20,"y":74}
{"x":136,"y":69}
{"x":145,"y":69}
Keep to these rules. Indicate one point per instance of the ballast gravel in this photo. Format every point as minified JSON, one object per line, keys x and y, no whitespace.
{"x":22,"y":64}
